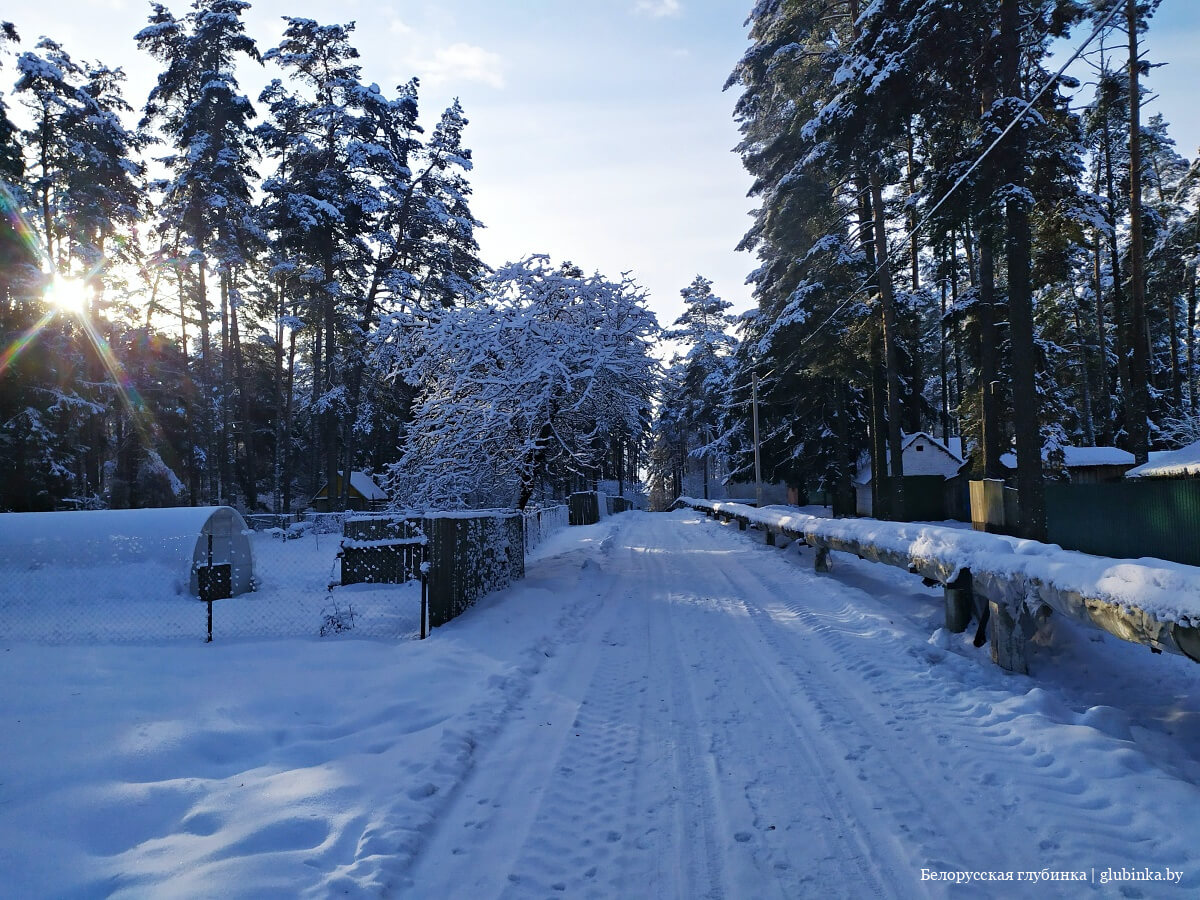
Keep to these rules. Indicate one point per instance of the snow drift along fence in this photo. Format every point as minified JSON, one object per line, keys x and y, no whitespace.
{"x":1150,"y":602}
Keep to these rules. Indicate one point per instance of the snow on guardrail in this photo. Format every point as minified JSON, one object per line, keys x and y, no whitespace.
{"x":1146,"y":601}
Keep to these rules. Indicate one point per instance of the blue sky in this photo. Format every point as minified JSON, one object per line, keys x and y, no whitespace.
{"x":600,"y":130}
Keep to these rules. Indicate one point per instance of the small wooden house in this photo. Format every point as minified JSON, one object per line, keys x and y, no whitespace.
{"x":1087,"y":465}
{"x":364,"y":494}
{"x":923,"y":455}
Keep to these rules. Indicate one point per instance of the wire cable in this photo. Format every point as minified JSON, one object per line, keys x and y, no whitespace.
{"x":1117,"y":6}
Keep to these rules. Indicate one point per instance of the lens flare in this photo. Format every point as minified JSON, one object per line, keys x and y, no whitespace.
{"x":68,"y":295}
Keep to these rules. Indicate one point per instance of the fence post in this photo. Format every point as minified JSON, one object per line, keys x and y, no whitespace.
{"x":770,"y":538}
{"x":1010,"y":637}
{"x":960,"y":602}
{"x":823,"y":562}
{"x":424,"y":603}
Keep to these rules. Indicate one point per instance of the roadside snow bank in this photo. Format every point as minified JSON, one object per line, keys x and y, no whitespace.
{"x":1136,"y":600}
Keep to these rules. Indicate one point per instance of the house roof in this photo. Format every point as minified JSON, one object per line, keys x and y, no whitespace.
{"x":1082,"y":457}
{"x":363,"y":484}
{"x":1169,"y":463}
{"x":864,"y":467}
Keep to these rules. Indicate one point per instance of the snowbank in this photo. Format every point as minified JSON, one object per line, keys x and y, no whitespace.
{"x":1136,"y":600}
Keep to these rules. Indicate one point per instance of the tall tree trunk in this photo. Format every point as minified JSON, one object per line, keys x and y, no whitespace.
{"x":336,"y":492}
{"x":942,"y":363}
{"x":881,"y":501}
{"x":224,"y":491}
{"x":891,"y":349}
{"x":288,"y":406}
{"x":277,"y":405}
{"x":1020,"y":299}
{"x":1191,"y":345}
{"x":1120,"y":317}
{"x":189,"y":392}
{"x":1104,"y":382}
{"x":1176,"y":373}
{"x":1139,"y":375}
{"x":205,"y":391}
{"x":1085,"y":375}
{"x":249,"y":458}
{"x":317,"y":421}
{"x":47,"y":217}
{"x":957,"y":326}
{"x":843,"y":486}
{"x":914,"y":248}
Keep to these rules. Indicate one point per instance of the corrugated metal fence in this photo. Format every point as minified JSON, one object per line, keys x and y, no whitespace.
{"x":1159,"y":518}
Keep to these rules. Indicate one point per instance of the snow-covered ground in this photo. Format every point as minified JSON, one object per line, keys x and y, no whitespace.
{"x":664,"y":707}
{"x":81,"y":602}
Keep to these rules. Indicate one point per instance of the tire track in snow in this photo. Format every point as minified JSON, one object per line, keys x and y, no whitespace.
{"x":801,"y":834}
{"x":987,"y":763}
{"x":488,"y":815}
{"x":629,"y":809}
{"x":394,"y":843}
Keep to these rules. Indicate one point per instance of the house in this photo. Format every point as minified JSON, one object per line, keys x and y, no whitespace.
{"x":1087,"y":465}
{"x":364,"y":494}
{"x":923,"y":456}
{"x":1181,"y":463}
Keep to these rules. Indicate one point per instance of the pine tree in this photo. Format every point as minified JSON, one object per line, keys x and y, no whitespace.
{"x":205,"y":199}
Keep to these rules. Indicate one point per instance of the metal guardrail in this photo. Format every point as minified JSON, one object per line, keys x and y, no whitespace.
{"x":982,"y":575}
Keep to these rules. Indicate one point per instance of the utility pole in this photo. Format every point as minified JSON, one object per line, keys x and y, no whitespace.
{"x":758,"y":495}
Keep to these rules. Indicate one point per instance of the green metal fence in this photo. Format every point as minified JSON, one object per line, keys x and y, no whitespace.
{"x":924,"y":497}
{"x":1129,"y":519}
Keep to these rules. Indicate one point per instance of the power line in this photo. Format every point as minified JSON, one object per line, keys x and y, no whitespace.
{"x":1117,"y":6}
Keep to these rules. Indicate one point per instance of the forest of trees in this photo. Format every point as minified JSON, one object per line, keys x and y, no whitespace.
{"x":950,"y":237}
{"x":266,"y":285}
{"x":919,"y":269}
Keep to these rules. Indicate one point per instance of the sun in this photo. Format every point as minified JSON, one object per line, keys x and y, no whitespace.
{"x":68,"y":295}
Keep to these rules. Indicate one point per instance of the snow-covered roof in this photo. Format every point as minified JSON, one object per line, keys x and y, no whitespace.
{"x":1169,"y":463}
{"x":365,"y":485}
{"x":1082,"y":457}
{"x":929,"y":437}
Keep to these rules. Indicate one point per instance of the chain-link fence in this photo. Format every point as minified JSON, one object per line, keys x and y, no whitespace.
{"x":130,"y":576}
{"x":106,"y":581}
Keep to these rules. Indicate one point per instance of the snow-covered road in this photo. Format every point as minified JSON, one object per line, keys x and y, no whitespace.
{"x":729,"y":725}
{"x":663,"y":708}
